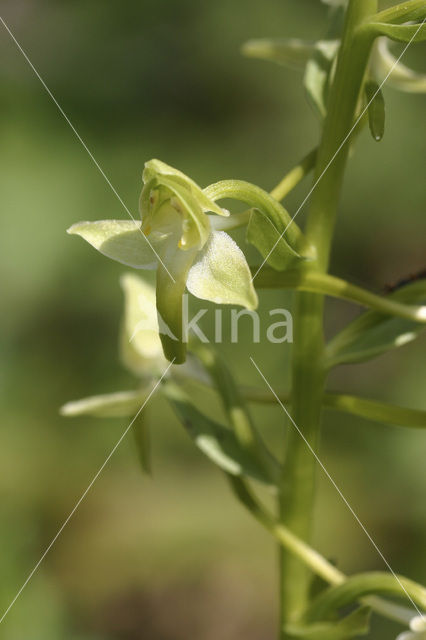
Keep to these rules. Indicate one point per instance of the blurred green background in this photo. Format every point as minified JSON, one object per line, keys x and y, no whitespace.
{"x":172,"y":557}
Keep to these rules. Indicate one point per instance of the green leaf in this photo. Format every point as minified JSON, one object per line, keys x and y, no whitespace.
{"x":385,"y":66}
{"x":293,"y":53}
{"x":110,"y":405}
{"x":376,"y":110}
{"x":374,"y":333}
{"x":217,"y":442}
{"x":140,"y":345}
{"x":221,"y":274}
{"x":398,"y":32}
{"x":318,"y":72}
{"x":121,"y":240}
{"x":353,"y":625}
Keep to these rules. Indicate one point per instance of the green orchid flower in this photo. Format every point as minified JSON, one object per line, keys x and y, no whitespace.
{"x":180,"y":236}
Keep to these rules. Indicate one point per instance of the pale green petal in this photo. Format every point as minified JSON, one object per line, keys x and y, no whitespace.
{"x":110,"y":405}
{"x":121,"y":240}
{"x":140,"y":344}
{"x":221,"y":273}
{"x":401,"y":77}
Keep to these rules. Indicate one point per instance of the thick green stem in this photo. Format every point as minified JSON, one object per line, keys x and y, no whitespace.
{"x":298,"y":482}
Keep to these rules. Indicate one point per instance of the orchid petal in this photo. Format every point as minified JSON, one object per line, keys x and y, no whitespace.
{"x":109,"y":405}
{"x":140,"y":344}
{"x":121,"y":240}
{"x":221,"y":273}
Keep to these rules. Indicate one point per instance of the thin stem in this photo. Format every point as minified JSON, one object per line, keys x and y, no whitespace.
{"x":309,"y":556}
{"x":294,"y":176}
{"x":361,"y":407}
{"x":298,"y":481}
{"x":283,"y":188}
{"x":326,"y":284}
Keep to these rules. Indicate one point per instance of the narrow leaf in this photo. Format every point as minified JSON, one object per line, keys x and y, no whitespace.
{"x":216,"y":441}
{"x":317,"y":75}
{"x":376,"y":110}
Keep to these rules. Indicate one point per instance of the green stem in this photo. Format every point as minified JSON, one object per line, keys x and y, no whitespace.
{"x":298,"y":481}
{"x":314,"y":560}
{"x":294,"y":176}
{"x":326,"y":284}
{"x":294,"y":545}
{"x":361,"y":407}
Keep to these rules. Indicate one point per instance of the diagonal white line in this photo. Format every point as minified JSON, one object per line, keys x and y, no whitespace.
{"x":80,"y":500}
{"x":342,"y":144}
{"x":84,"y":145}
{"x":333,"y":482}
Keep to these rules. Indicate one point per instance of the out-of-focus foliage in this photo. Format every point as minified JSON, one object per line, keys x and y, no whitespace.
{"x":161,"y":78}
